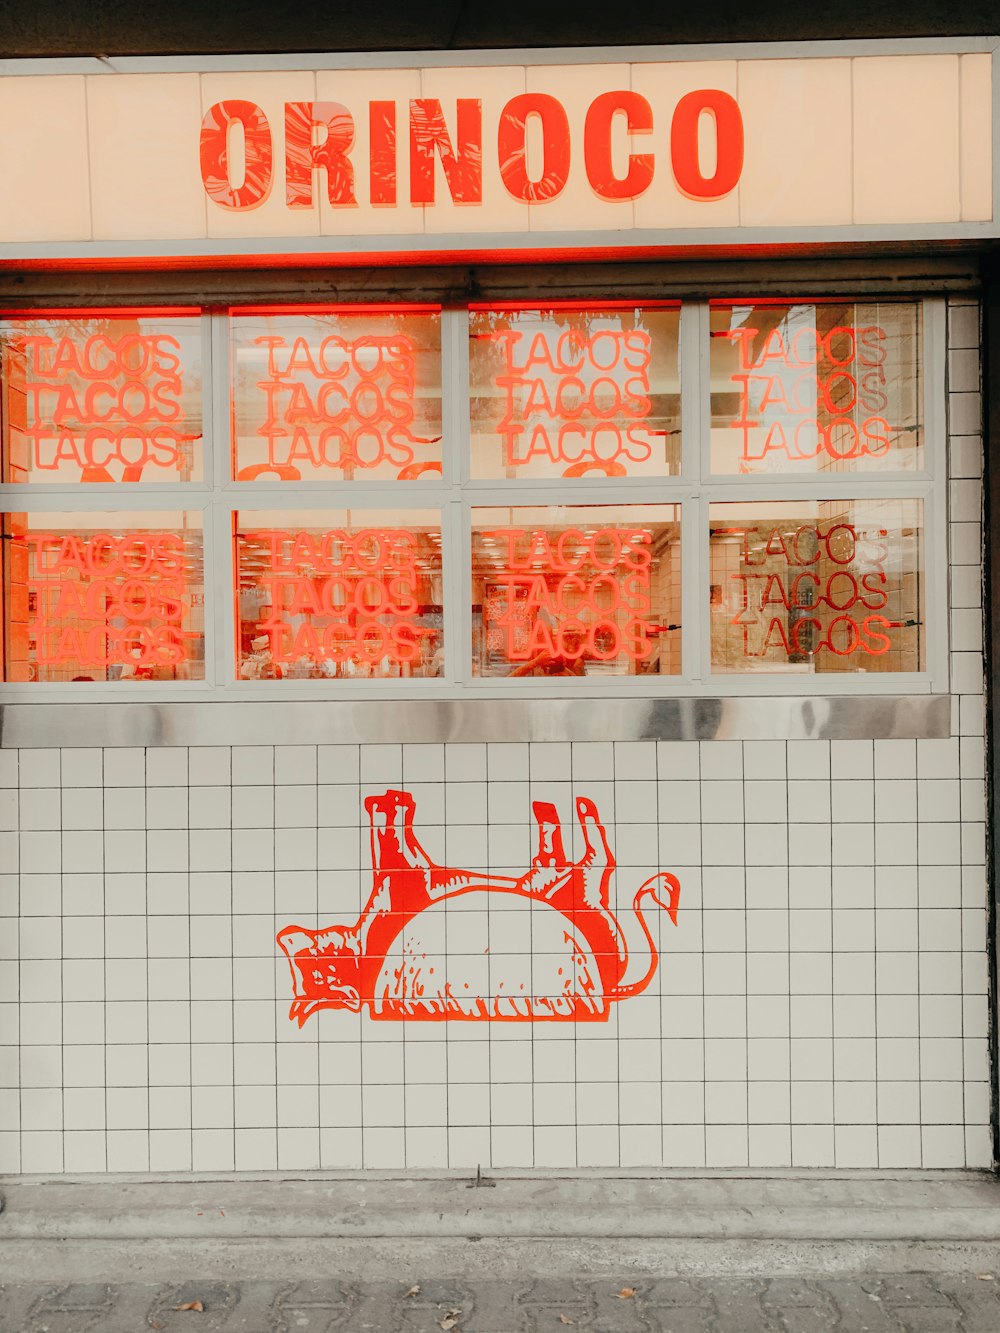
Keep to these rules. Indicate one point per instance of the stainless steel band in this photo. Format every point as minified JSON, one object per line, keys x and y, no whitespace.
{"x":415,"y":721}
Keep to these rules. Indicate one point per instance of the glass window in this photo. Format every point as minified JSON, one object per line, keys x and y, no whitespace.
{"x":830,"y":387}
{"x":339,"y":594}
{"x":551,"y":512}
{"x":101,"y":398}
{"x":336,"y":395}
{"x":570,"y":392}
{"x":576,"y":591}
{"x":817,"y":586}
{"x":103,"y":596}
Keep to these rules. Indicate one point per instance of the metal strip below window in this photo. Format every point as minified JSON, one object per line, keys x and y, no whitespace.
{"x":306,"y":722}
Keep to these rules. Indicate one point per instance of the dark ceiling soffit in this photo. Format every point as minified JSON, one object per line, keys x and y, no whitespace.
{"x":187,"y":27}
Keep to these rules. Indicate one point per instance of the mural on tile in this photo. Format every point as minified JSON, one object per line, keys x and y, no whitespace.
{"x":396,"y":958}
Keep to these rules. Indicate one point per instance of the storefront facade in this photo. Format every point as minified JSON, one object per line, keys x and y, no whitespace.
{"x":493,"y":617}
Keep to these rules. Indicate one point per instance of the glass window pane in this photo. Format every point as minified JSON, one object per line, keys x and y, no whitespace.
{"x":97,"y":597}
{"x":336,"y":395}
{"x":561,"y":392}
{"x":339,"y":594}
{"x":101,"y":398}
{"x":828,"y":388}
{"x":803,"y":587}
{"x":576,"y":591}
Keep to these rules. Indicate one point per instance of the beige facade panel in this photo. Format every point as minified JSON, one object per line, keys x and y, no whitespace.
{"x":893,"y":141}
{"x":43,"y":160}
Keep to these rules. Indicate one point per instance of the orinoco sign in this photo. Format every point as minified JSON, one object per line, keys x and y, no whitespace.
{"x":323,"y":134}
{"x":337,"y":159}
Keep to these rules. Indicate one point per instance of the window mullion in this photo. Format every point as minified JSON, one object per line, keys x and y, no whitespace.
{"x":695,"y":419}
{"x":455,"y":516}
{"x":457,"y":594}
{"x":216,"y":412}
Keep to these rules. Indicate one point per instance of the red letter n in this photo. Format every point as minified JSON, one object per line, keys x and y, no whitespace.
{"x":463,"y":164}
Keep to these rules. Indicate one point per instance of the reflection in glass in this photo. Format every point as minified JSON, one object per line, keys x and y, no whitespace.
{"x":576,"y":591}
{"x":832,"y":387}
{"x":810,"y":587}
{"x":339,"y":594}
{"x":562,"y":392}
{"x":101,"y":399}
{"x":99,"y":597}
{"x":336,"y":395}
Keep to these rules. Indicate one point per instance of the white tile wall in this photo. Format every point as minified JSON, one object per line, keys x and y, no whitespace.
{"x":822,"y":1002}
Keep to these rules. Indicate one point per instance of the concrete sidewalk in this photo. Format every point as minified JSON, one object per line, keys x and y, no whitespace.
{"x":905,"y":1303}
{"x":894,"y":1252}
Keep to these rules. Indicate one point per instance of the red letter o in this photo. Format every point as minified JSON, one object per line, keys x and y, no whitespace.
{"x":511,"y":147}
{"x":215,"y":154}
{"x":684,"y":144}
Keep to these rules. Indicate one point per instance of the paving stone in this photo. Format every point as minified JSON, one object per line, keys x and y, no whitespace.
{"x":618,"y":1314}
{"x":681,"y":1319}
{"x":861,"y":1307}
{"x":799,"y":1306}
{"x":914,"y":1289}
{"x":435,"y":1302}
{"x":76,"y":1308}
{"x":677,"y":1305}
{"x":377,"y":1310}
{"x":497,"y":1309}
{"x":978,"y":1300}
{"x":918,"y":1306}
{"x":15,"y":1302}
{"x":738,"y":1307}
{"x":542,"y":1304}
{"x":220,"y":1301}
{"x":130,"y":1312}
{"x":312,"y":1307}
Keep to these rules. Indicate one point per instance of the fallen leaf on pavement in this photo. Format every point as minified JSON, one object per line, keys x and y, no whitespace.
{"x":626,"y":1293}
{"x":192,"y":1305}
{"x":447,"y":1322}
{"x":414,"y":1290}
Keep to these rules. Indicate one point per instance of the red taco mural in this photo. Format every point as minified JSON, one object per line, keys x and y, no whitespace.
{"x":567,"y":956}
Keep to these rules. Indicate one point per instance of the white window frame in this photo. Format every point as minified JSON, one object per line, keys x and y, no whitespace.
{"x":455,"y":495}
